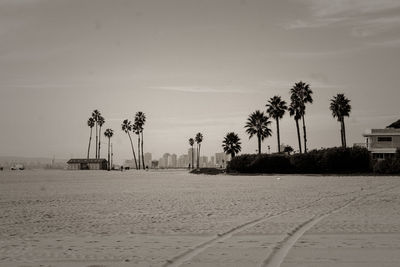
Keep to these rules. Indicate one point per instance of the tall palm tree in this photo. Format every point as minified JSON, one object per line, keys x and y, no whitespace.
{"x":136,"y":130}
{"x":140,"y":119}
{"x":101,"y":121}
{"x":296,"y":111}
{"x":231,"y":144}
{"x":276,"y":108}
{"x":109,"y":133}
{"x":191,"y":143}
{"x":340,"y":107}
{"x":302,"y":93}
{"x":257,"y":124}
{"x":198,"y":139}
{"x":95,"y":115}
{"x":127,"y":128}
{"x":90,"y":123}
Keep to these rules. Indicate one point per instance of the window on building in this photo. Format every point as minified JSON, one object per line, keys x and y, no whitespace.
{"x":384,"y":139}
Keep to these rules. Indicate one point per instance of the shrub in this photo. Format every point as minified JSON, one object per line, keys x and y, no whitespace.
{"x":241,"y":163}
{"x":387,"y":166}
{"x":275,"y":163}
{"x":329,"y":160}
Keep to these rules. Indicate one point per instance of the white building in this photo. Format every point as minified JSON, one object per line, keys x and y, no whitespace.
{"x":382,"y":143}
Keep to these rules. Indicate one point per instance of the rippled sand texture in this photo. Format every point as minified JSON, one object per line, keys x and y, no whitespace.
{"x":171,"y":218}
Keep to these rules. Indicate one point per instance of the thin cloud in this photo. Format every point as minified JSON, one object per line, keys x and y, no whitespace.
{"x":386,"y":43}
{"x":363,"y":17}
{"x":199,"y":89}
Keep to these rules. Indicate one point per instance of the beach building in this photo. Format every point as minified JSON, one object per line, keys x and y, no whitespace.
{"x":85,"y":164}
{"x":382,"y":143}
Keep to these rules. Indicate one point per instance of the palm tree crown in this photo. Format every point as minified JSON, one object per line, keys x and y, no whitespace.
{"x":126,"y":126}
{"x":257,"y":124}
{"x":109,"y":133}
{"x":302,"y":92}
{"x":91,"y":122}
{"x":199,"y":138}
{"x":340,"y":106}
{"x":231,"y":144}
{"x":276,"y":107}
{"x":191,"y":141}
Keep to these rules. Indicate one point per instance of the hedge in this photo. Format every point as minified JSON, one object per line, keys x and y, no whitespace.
{"x":328,"y":160}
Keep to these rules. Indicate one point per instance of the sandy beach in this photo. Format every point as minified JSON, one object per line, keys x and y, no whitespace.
{"x":171,"y":218}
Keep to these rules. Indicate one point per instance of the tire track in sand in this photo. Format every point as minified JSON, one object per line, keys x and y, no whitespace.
{"x":278,"y":254}
{"x":189,"y":254}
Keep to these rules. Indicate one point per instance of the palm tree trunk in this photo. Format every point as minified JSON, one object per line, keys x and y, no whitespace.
{"x":144,"y":167}
{"x":279,"y":139}
{"x":344,"y":133}
{"x":298,"y":134}
{"x":198,"y":156}
{"x":90,"y":140}
{"x":133,"y":150}
{"x":341,"y":133}
{"x":138,"y":146}
{"x":109,"y":164}
{"x":96,"y":139}
{"x":305,"y":135}
{"x":192,"y":158}
{"x":99,"y":141}
{"x":259,"y":144}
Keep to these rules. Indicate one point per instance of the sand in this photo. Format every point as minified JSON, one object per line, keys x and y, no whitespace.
{"x":171,"y":218}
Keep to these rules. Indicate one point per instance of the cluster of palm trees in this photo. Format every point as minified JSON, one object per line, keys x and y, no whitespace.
{"x":198,"y":139}
{"x":97,"y":120}
{"x":258,"y":122}
{"x":137,"y":128}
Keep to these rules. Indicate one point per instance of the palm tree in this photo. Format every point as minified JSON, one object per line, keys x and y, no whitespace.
{"x":191,"y":143}
{"x":296,"y":111}
{"x":257,"y":124}
{"x":95,"y":115}
{"x":90,"y":123}
{"x":127,"y":128}
{"x":136,"y":130}
{"x":340,"y":107}
{"x":140,"y":119}
{"x":109,"y":133}
{"x":199,"y":139}
{"x":301,"y":92}
{"x":231,"y":144}
{"x":101,"y":121}
{"x":276,"y":108}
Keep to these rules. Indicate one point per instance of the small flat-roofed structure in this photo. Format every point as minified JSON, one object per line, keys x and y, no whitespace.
{"x":85,"y":164}
{"x":382,"y":143}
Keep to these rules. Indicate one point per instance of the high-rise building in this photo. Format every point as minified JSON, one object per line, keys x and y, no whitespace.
{"x":203,"y":161}
{"x":147,"y":159}
{"x":212,"y":161}
{"x":194,"y":150}
{"x":221,"y":159}
{"x":174,"y":161}
{"x":183,"y":161}
{"x":165,"y":160}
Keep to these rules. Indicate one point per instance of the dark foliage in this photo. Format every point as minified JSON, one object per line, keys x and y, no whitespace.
{"x":329,"y":160}
{"x":387,"y":166}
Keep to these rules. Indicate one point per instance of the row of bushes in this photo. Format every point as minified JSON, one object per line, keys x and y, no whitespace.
{"x":329,"y":160}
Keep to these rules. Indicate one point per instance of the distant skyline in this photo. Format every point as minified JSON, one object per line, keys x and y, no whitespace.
{"x":190,"y":66}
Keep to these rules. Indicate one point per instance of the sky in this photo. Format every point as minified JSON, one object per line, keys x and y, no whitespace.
{"x":191,"y":66}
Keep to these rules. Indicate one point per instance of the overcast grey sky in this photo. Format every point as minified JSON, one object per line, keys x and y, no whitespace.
{"x":190,"y":66}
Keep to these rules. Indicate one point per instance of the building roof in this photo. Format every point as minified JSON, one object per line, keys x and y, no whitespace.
{"x":395,"y":125}
{"x":72,"y":161}
{"x":382,"y":132}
